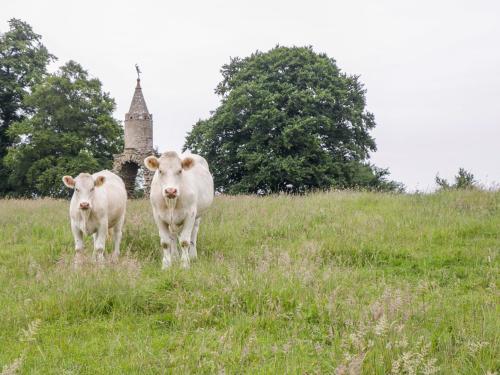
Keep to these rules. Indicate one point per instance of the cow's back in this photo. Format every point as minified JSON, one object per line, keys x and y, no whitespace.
{"x":201,"y":181}
{"x":116,"y":195}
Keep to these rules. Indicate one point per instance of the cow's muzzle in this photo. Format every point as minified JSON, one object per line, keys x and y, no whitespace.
{"x":171,"y":193}
{"x":84,"y":205}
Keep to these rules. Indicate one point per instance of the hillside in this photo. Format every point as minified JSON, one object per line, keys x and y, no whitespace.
{"x":342,"y":281}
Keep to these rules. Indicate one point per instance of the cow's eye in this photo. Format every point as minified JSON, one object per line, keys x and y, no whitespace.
{"x":179,"y":171}
{"x":159,"y":171}
{"x":77,"y":190}
{"x":91,"y":190}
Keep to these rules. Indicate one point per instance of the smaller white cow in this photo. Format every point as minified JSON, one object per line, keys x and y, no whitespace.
{"x":181,"y":191}
{"x":98,"y":204}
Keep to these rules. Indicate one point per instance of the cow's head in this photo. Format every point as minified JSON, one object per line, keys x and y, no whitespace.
{"x":169,"y":169}
{"x":84,"y":186}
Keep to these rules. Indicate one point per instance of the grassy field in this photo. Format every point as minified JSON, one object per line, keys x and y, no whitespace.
{"x":341,"y":282}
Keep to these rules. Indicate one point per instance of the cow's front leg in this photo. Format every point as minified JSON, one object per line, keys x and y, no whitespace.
{"x":167,"y":244}
{"x":79,"y":245}
{"x":100,"y":243}
{"x":185,"y":237}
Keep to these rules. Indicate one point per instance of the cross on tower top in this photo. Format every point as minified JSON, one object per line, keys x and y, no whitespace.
{"x":138,"y":71}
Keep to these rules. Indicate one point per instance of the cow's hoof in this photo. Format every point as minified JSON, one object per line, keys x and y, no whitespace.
{"x":114,"y":258}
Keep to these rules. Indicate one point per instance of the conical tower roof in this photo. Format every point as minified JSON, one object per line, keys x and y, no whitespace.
{"x":138,"y":105}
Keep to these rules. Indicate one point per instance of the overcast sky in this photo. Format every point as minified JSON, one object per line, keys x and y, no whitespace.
{"x":431,"y":68}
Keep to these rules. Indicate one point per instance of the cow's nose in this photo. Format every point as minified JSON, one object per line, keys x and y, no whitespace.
{"x":84,"y":205}
{"x":171,"y":192}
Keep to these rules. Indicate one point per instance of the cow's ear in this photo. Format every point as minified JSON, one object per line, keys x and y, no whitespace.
{"x":187,"y":162}
{"x":69,"y":181}
{"x":151,"y":163}
{"x":99,"y":180}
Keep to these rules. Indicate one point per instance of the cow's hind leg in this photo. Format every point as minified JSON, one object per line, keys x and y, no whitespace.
{"x":174,"y":250}
{"x":117,"y":238}
{"x":193,"y":254}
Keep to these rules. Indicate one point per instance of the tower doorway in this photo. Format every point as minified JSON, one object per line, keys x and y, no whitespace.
{"x":133,"y":177}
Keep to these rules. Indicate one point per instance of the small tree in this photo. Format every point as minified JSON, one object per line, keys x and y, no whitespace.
{"x":463,"y":180}
{"x":442,"y":183}
{"x":70,"y":131}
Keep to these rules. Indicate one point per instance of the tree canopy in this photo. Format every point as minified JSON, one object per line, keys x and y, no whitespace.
{"x":23,"y":64}
{"x":288,"y":119}
{"x":70,"y":130}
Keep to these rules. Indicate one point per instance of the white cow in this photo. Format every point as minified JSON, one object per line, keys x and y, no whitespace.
{"x":181,"y":191}
{"x":98,"y":204}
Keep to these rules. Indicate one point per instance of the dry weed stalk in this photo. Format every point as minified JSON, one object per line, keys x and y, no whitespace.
{"x":383,"y":321}
{"x":28,"y":336}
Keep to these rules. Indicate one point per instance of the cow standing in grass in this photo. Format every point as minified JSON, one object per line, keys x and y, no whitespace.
{"x":181,"y":191}
{"x":98,"y":204}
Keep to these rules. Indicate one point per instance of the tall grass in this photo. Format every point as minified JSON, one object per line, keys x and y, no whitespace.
{"x":339,"y":282}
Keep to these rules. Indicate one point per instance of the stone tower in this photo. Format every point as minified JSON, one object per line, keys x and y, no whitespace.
{"x":138,"y":143}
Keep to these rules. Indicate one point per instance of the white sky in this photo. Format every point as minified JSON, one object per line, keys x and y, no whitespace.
{"x":431,"y":68}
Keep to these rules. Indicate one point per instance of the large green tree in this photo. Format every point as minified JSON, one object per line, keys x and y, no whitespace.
{"x":23,"y":63}
{"x":71,"y":130}
{"x":288,"y":117}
